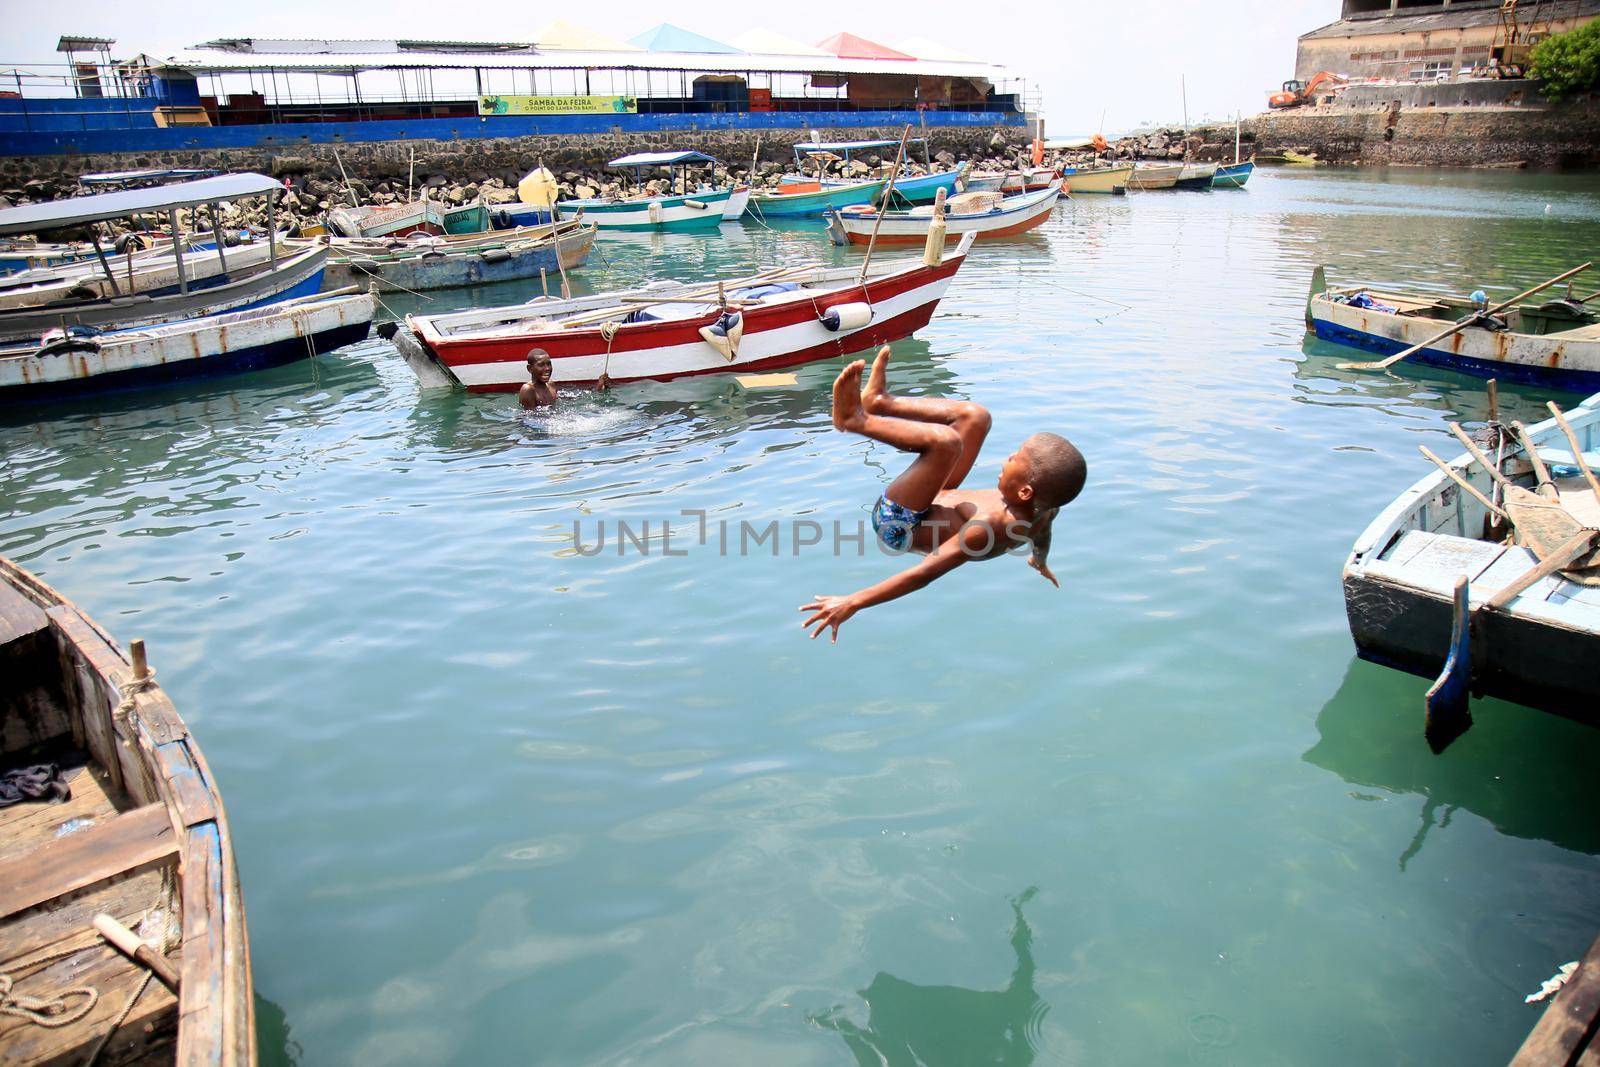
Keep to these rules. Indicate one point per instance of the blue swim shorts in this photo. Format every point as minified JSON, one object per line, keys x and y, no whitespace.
{"x":893,"y":523}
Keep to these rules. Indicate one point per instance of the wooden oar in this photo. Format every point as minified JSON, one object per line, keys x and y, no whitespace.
{"x":1575,"y":546}
{"x":1494,"y":472}
{"x":1463,"y":483}
{"x":1545,"y":487}
{"x":1577,"y":450}
{"x":1384,"y":364}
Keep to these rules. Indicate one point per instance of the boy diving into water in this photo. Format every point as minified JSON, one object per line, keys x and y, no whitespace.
{"x":925,"y":509}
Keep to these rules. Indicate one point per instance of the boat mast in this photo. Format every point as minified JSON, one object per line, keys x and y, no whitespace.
{"x":177,"y":249}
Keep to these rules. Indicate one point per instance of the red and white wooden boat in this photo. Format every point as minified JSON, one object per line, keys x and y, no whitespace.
{"x":1029,"y":179}
{"x":395,"y":220}
{"x":672,"y":330}
{"x":1011,"y":215}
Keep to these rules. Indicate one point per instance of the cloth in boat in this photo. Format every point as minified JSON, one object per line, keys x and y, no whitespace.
{"x":893,"y":522}
{"x":1362,"y":300}
{"x":42,"y":781}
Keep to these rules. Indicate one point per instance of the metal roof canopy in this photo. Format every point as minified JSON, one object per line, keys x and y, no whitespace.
{"x":101,"y":206}
{"x":810,"y":147}
{"x":123,"y":177}
{"x":662,"y":159}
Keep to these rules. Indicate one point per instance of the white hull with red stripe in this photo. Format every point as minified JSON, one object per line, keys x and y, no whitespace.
{"x":487,"y":350}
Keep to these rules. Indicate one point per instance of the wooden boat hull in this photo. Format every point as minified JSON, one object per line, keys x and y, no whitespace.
{"x":142,"y":836}
{"x":1159,"y":177}
{"x":812,"y":203}
{"x":1399,"y":578}
{"x":208,"y":347}
{"x":396,"y":220}
{"x":1196,"y":176}
{"x":514,"y":215}
{"x":983,"y":183}
{"x":15,"y":258}
{"x":1233,"y":176}
{"x":424,"y":270}
{"x":736,"y":203}
{"x":665,"y":214}
{"x":1028,"y":181}
{"x":296,"y":275}
{"x":1018,"y":215}
{"x":469,"y":218}
{"x":152,"y":273}
{"x":1100,"y":180}
{"x":783,"y":333}
{"x":1568,"y":360}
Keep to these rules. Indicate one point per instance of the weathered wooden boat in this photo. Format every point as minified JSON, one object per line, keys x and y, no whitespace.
{"x":516,"y":215}
{"x":452,"y":242}
{"x":393,"y":220}
{"x":135,"y":837}
{"x":421,"y":267}
{"x":1555,"y":343}
{"x":1028,"y":179}
{"x":701,"y":210}
{"x":1112,"y":179}
{"x":738,"y":200}
{"x":811,"y":199}
{"x":983,"y":182}
{"x":467,"y":218}
{"x":985,"y":215}
{"x":81,"y":362}
{"x":1233,"y":175}
{"x":18,"y":256}
{"x":152,"y":272}
{"x":1196,"y":176}
{"x":1155,"y":176}
{"x":919,"y":189}
{"x":1541,"y":647}
{"x":236,"y":287}
{"x":664,"y":331}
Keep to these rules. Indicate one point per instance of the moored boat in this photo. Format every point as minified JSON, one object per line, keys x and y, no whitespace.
{"x":79,"y":362}
{"x":466,"y":219}
{"x":811,"y":199}
{"x":1155,"y":176}
{"x":918,"y":189}
{"x":393,"y":220}
{"x":983,"y":182}
{"x":1028,"y":179}
{"x":1112,"y":179}
{"x":128,"y":830}
{"x":777,"y":319}
{"x":284,"y":274}
{"x":1233,"y":175}
{"x":1196,"y":176}
{"x":1540,"y":645}
{"x":698,"y":211}
{"x":737,"y":201}
{"x":985,"y":215}
{"x":1554,"y":343}
{"x":421,"y":267}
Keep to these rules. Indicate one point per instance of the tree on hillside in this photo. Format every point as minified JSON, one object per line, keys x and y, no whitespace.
{"x":1568,"y":62}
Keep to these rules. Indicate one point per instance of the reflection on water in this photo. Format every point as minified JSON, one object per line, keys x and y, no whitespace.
{"x":910,"y":1025}
{"x":275,"y":1044}
{"x":1530,"y":775}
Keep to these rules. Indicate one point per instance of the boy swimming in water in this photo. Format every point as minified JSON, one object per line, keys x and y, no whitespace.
{"x":925,"y":509}
{"x":537,"y":392}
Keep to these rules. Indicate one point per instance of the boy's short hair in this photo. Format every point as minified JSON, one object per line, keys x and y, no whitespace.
{"x":1056,"y":469}
{"x":536,"y":354}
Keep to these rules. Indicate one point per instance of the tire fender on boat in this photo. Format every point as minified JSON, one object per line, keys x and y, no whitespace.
{"x":850,"y":316}
{"x":494,"y":255}
{"x":697,"y":205}
{"x":724,"y":334}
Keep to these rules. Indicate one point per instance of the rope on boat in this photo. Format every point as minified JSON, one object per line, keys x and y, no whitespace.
{"x":133,"y":688}
{"x":608,"y":330}
{"x":52,"y":1013}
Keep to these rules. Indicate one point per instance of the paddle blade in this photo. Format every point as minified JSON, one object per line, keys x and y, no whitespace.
{"x":1446,"y":702}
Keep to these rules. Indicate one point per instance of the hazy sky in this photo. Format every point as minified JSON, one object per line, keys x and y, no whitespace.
{"x":1123,"y":59}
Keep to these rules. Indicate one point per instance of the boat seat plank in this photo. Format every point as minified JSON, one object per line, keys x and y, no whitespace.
{"x":1411,"y":542}
{"x":25,"y":827}
{"x":45,"y":930}
{"x":152,"y":1024}
{"x":130,"y":842}
{"x":1513,"y":563}
{"x":19,"y":616}
{"x":1444,"y":558}
{"x":1565,"y":1033}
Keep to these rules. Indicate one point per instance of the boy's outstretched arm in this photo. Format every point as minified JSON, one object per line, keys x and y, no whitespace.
{"x":1041,"y":548}
{"x":973,"y":542}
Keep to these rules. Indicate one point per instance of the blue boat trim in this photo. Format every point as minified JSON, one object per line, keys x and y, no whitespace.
{"x":1575,"y":380}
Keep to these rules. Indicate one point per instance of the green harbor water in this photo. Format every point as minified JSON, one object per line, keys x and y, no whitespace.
{"x":496,"y":801}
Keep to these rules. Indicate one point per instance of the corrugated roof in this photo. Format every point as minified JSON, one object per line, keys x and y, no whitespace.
{"x":1444,"y":20}
{"x":201,"y":61}
{"x":81,"y":209}
{"x":849,"y":46}
{"x":662,"y":159}
{"x":669,"y":38}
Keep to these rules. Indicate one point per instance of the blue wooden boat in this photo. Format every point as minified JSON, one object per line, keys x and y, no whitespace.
{"x":921,"y":189}
{"x":1234,"y":175}
{"x":422,"y":265}
{"x":1538,"y":646}
{"x":514,"y":215}
{"x":281,"y":277}
{"x":811,"y":199}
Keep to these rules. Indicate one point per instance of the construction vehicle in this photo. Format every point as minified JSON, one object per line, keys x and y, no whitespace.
{"x":1297,"y":93}
{"x":1513,"y":42}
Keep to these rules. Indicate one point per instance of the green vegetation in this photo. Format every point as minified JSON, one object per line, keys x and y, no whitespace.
{"x":1568,"y":62}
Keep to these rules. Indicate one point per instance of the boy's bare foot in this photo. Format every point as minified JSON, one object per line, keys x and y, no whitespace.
{"x":874,"y":396}
{"x":847,"y":413}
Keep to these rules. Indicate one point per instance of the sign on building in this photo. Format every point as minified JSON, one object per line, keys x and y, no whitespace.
{"x":557,"y":105}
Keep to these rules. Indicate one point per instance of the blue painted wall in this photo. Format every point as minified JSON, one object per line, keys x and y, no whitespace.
{"x":47,"y":128}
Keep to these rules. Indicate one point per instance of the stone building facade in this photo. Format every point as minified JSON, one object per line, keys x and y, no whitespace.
{"x":1406,"y":40}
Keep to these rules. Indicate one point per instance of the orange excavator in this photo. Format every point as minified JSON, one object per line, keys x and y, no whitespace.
{"x":1296,"y":93}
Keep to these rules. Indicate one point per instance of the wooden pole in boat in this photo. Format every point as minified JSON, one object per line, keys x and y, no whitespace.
{"x":129,"y":943}
{"x":1494,"y":472}
{"x":216,"y":234}
{"x":177,"y":250}
{"x":1494,"y":401}
{"x":94,"y":235}
{"x":883,"y":205}
{"x":411,"y":174}
{"x":353,"y":201}
{"x":1463,"y":483}
{"x":544,"y":282}
{"x":1577,"y":449}
{"x":1546,"y":487}
{"x":1384,"y":364}
{"x":1236,"y":138}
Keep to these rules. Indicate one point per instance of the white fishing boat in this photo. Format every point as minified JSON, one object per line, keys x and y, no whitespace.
{"x":986,"y":216}
{"x":777,"y":319}
{"x":701,"y":210}
{"x":1155,"y":176}
{"x":79,"y":362}
{"x":1432,"y":583}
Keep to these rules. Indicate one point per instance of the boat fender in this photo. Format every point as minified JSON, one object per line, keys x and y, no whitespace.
{"x":131,"y":242}
{"x":655,"y":212}
{"x":432,"y":254}
{"x":63,"y":345}
{"x":82,"y":292}
{"x":724,"y":334}
{"x":846,"y":317}
{"x":698,"y":205}
{"x":501,"y":219}
{"x":495,"y":255}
